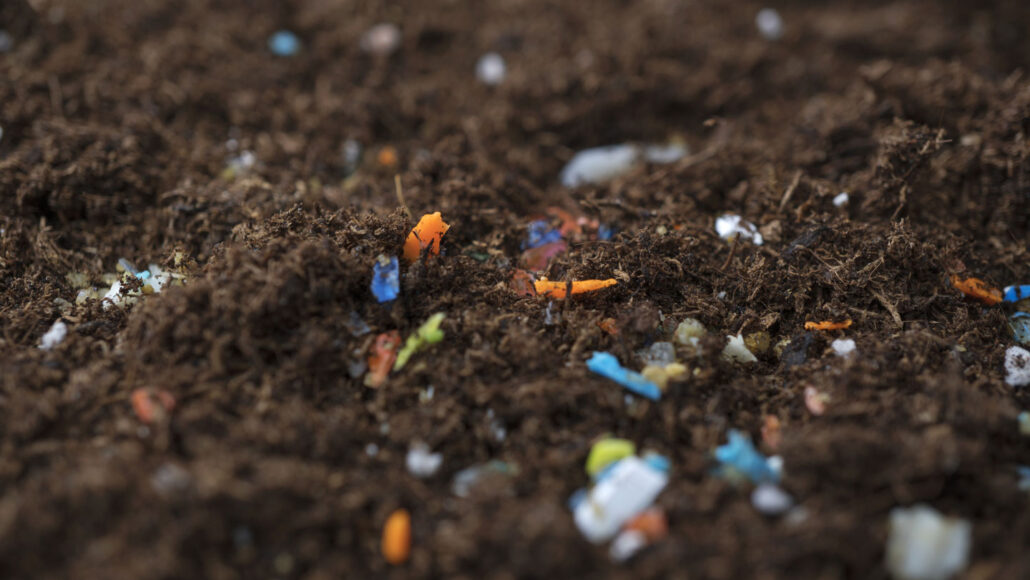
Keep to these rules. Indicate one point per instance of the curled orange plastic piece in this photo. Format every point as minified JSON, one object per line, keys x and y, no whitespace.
{"x":397,"y":537}
{"x":828,"y":325}
{"x":560,"y":289}
{"x":427,"y":234}
{"x":978,"y":289}
{"x":384,"y":353}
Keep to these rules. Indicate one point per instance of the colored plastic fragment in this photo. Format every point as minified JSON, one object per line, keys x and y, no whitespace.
{"x":626,"y":545}
{"x":1024,"y":477}
{"x":769,"y":23}
{"x":599,"y":164}
{"x":284,"y":43}
{"x":55,"y":336}
{"x":608,"y":451}
{"x":469,"y":477}
{"x":427,"y":334}
{"x":1017,"y":366}
{"x":387,"y":157}
{"x":382,"y":39}
{"x":608,"y":325}
{"x":731,"y":226}
{"x":736,"y":351}
{"x":772,"y":432}
{"x":843,"y":346}
{"x":397,"y":537}
{"x":770,"y":500}
{"x":384,"y":353}
{"x":421,"y":462}
{"x":630,"y":487}
{"x":924,"y":545}
{"x":386,"y":280}
{"x":427,"y":234}
{"x":1020,"y":325}
{"x":816,"y":401}
{"x":545,"y":287}
{"x":151,"y":405}
{"x":522,"y":283}
{"x":828,"y":325}
{"x":661,"y":375}
{"x":540,"y":233}
{"x":650,"y":522}
{"x":1024,"y":423}
{"x":978,"y":289}
{"x":608,"y":366}
{"x":537,"y":259}
{"x":605,"y":232}
{"x":689,"y":332}
{"x":490,"y":69}
{"x":739,"y":457}
{"x":1016,"y":293}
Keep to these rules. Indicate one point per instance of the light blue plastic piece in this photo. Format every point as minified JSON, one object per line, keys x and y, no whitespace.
{"x":605,"y":232}
{"x":606,"y":365}
{"x":284,"y":43}
{"x":658,"y":462}
{"x":1016,"y":293}
{"x":386,"y":280}
{"x":1020,"y":325}
{"x":739,"y":455}
{"x":1024,"y":477}
{"x":144,"y":275}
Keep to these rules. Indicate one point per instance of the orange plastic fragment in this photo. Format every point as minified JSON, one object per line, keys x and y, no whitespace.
{"x":978,"y":289}
{"x":384,"y":354}
{"x":771,"y":432}
{"x":608,"y":325}
{"x":522,"y":283}
{"x":151,"y":405}
{"x":427,"y":234}
{"x":816,"y":401}
{"x":828,"y":325}
{"x":387,"y":157}
{"x":650,"y":522}
{"x":560,"y":289}
{"x":571,"y":224}
{"x":397,"y":537}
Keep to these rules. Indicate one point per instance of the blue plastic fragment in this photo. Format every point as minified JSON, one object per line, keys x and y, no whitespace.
{"x":577,"y":498}
{"x":144,"y":275}
{"x":605,"y":232}
{"x":606,"y":365}
{"x":1016,"y":293}
{"x":739,"y":455}
{"x":540,"y":233}
{"x":284,"y":43}
{"x":386,"y":279}
{"x":1024,"y":477}
{"x":658,"y":462}
{"x":1020,"y":325}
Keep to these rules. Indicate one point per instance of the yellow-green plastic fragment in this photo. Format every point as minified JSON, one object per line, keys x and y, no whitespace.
{"x":427,"y":334}
{"x":607,"y":451}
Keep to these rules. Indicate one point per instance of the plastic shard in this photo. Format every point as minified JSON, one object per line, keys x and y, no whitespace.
{"x":606,"y":365}
{"x":426,"y":235}
{"x":545,"y":287}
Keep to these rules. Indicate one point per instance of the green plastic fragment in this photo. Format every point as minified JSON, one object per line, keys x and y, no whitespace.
{"x":427,"y":334}
{"x":608,"y":451}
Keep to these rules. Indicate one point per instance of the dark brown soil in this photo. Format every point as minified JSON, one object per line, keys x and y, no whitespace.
{"x":116,"y":116}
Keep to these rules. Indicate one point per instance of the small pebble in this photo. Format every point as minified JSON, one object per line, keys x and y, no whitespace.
{"x":770,"y":500}
{"x":381,"y":39}
{"x":769,"y":24}
{"x":490,"y":69}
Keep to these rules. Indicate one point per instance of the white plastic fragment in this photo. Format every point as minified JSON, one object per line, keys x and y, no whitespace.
{"x":381,"y":39}
{"x":690,"y":331}
{"x":670,"y":153}
{"x":599,"y":164}
{"x":55,"y":336}
{"x":770,"y":500}
{"x":843,"y":346}
{"x":924,"y":545}
{"x":421,"y":463}
{"x":729,"y":226}
{"x":841,"y":199}
{"x":626,"y":545}
{"x":6,"y":41}
{"x":737,"y":351}
{"x":114,"y":295}
{"x":769,"y":23}
{"x":490,"y":69}
{"x":629,"y":488}
{"x":1017,"y":366}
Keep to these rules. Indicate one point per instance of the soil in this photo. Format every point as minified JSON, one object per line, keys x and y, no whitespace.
{"x":120,"y":118}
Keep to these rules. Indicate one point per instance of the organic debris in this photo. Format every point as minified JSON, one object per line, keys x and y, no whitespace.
{"x":426,"y":235}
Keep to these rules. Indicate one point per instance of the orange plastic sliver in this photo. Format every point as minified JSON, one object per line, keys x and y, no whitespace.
{"x":151,"y":405}
{"x":384,"y":353}
{"x":427,"y":234}
{"x":560,"y":289}
{"x":828,"y":325}
{"x":978,"y":289}
{"x":397,"y":537}
{"x":608,"y":325}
